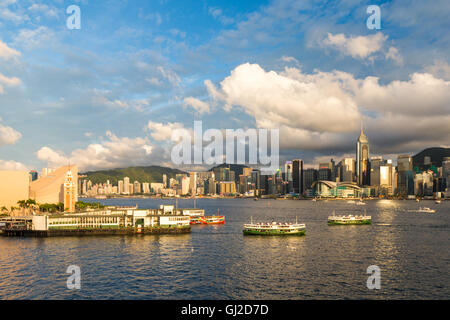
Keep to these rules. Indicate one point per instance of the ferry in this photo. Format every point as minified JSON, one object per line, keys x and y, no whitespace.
{"x":275,"y":229}
{"x":217,"y":219}
{"x":350,"y":219}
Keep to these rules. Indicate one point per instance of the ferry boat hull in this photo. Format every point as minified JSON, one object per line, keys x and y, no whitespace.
{"x":208,"y":220}
{"x":274,"y":233}
{"x":349,"y":222}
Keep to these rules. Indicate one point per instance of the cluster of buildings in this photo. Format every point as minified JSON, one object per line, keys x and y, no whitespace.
{"x":362,"y":176}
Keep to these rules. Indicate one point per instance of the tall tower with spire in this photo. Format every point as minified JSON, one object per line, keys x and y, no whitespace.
{"x":362,"y":160}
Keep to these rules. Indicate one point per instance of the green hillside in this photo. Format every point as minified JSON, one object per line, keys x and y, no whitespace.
{"x":141,"y":174}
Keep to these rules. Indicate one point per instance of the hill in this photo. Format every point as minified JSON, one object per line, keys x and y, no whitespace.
{"x":436,"y":156}
{"x":141,"y":174}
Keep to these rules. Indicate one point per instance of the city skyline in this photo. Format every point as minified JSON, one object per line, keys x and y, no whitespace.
{"x":112,"y":101}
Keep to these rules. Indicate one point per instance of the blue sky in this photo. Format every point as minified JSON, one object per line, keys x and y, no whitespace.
{"x":110,"y":94}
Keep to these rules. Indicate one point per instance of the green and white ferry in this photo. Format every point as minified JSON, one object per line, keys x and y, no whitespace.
{"x":275,"y":229}
{"x":348,"y":220}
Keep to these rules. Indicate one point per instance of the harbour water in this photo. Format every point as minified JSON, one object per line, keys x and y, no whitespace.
{"x":218,"y":262}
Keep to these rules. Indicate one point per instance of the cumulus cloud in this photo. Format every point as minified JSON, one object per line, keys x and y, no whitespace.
{"x":359,"y":47}
{"x":8,"y":135}
{"x":12,"y":165}
{"x":198,"y":105}
{"x":113,"y":152}
{"x":6,"y":52}
{"x":284,"y":99}
{"x":422,"y":95}
{"x":161,"y":131}
{"x":322,"y":111}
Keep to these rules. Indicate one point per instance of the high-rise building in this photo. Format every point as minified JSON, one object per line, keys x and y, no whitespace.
{"x":326,"y":171}
{"x":145,"y":187}
{"x":405,"y":178}
{"x":165,"y":181}
{"x":297,"y":176}
{"x":120,"y":188}
{"x":137,"y":187}
{"x":185,"y":184}
{"x":347,"y":170}
{"x":310,"y":175}
{"x":375,"y":164}
{"x":126,"y":185}
{"x":362,"y":160}
{"x":386,"y":178}
{"x":193,"y":183}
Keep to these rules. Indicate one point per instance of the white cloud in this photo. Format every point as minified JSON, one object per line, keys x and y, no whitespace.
{"x":113,"y":152}
{"x":31,"y":38}
{"x":9,"y":82}
{"x":161,"y":131}
{"x":439,"y":69}
{"x":422,"y":95}
{"x":289,"y":60}
{"x":12,"y":165}
{"x":277,"y":99}
{"x":322,"y":111}
{"x":8,"y":15}
{"x":394,"y":55}
{"x":170,"y":75}
{"x":43,"y":8}
{"x":6,"y":52}
{"x":100,"y":99}
{"x":8,"y":135}
{"x":197,"y":104}
{"x":359,"y":47}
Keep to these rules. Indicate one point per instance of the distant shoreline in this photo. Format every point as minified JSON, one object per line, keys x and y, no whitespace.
{"x":247,"y":198}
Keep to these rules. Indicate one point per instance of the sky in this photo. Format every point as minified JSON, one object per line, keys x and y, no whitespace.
{"x":110,"y":94}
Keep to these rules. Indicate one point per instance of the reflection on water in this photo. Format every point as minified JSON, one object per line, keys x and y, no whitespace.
{"x":218,"y":262}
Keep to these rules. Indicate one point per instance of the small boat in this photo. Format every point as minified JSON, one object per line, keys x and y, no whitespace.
{"x":438,"y":201}
{"x":314,"y":200}
{"x":417,"y":200}
{"x":423,"y":209}
{"x":360,"y":203}
{"x":426,"y":210}
{"x":256,"y":199}
{"x":275,"y":229}
{"x":348,"y":220}
{"x":351,"y":201}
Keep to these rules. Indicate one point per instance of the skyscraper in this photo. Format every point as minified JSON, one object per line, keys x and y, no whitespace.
{"x":362,"y":160}
{"x":405,"y":180}
{"x":126,"y":185}
{"x":297,"y":176}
